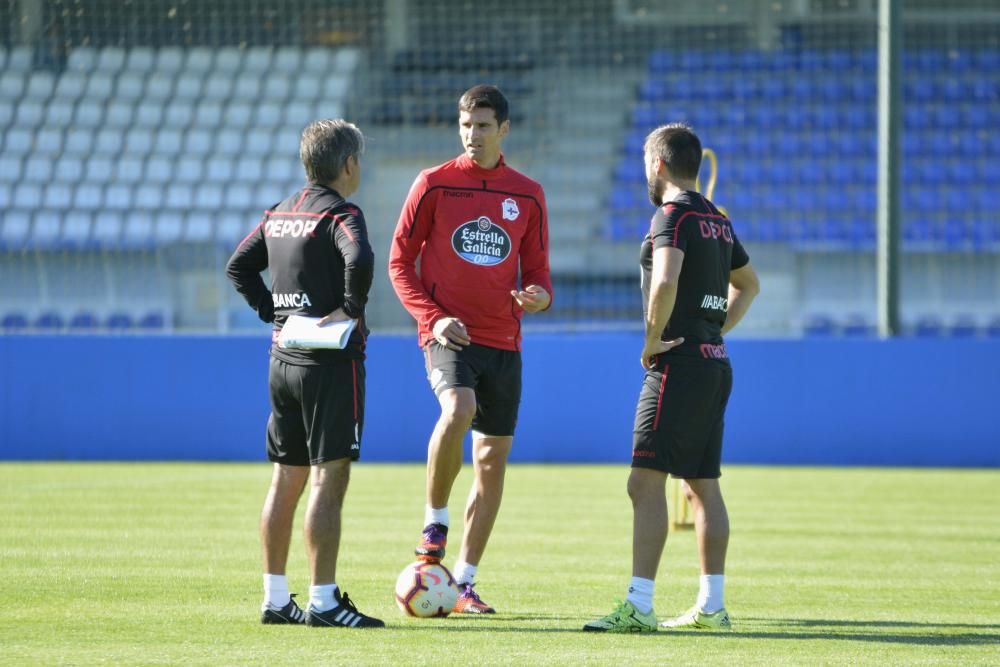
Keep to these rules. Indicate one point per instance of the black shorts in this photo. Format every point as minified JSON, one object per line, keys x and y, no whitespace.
{"x":680,"y":417}
{"x":317,"y":412}
{"x":494,"y":374}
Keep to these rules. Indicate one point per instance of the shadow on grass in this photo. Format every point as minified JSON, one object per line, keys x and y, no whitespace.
{"x":929,"y":634}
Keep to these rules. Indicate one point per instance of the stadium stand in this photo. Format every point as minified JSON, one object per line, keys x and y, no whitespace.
{"x":132,"y":160}
{"x":795,"y":131}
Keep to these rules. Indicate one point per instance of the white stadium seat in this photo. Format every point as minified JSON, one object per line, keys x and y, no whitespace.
{"x":68,"y":169}
{"x":98,"y":169}
{"x":76,"y":227}
{"x":110,"y":59}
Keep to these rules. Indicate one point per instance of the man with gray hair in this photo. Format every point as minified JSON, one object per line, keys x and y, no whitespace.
{"x":315,"y":245}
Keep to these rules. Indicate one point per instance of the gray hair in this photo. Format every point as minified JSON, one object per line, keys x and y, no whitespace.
{"x":326,"y":144}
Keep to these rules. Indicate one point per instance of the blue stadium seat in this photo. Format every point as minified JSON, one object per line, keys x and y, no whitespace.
{"x":819,"y":325}
{"x":153,"y":321}
{"x":964,"y":326}
{"x":68,"y":169}
{"x":993,"y":328}
{"x":119,"y":321}
{"x":629,"y":170}
{"x":928,"y":326}
{"x":857,"y":325}
{"x":13,"y":322}
{"x":49,"y":320}
{"x":83,"y":321}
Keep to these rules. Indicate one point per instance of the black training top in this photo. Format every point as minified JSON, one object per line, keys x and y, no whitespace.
{"x":695,"y":226}
{"x":316,"y":247}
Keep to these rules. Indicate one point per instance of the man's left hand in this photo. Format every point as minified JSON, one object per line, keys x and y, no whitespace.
{"x":336,"y":316}
{"x":532,"y":298}
{"x":655,"y":347}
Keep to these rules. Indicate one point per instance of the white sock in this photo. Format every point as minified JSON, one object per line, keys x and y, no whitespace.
{"x":464,"y":572}
{"x":640,"y":594}
{"x":710,"y":593}
{"x":321,"y":597}
{"x":276,"y":590}
{"x":439,"y":515}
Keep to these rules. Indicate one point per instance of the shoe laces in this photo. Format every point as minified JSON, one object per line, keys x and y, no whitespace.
{"x":345,"y":601}
{"x":433,"y":534}
{"x":620,"y":610}
{"x":470,"y":594}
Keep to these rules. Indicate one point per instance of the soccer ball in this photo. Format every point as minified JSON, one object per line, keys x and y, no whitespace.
{"x":426,"y":590}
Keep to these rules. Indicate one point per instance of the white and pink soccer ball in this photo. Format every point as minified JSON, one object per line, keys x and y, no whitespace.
{"x":426,"y":590}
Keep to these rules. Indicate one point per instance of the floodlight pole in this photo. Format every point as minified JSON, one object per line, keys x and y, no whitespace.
{"x":890,"y":37}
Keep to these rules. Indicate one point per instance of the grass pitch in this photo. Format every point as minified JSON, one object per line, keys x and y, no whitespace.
{"x":141,"y":564}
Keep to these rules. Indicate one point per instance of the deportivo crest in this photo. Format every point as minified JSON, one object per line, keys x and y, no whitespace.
{"x":509,"y":209}
{"x":481,"y":242}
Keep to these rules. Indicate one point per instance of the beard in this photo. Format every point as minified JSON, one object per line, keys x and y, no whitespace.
{"x":655,"y":190}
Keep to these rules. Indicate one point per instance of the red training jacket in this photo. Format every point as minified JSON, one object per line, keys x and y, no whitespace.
{"x":471,"y":227}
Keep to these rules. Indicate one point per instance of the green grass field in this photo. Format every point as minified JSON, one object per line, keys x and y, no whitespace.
{"x":133,"y":564}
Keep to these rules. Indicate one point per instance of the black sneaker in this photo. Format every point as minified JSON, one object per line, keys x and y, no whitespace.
{"x":344,"y":615}
{"x":433,"y":540}
{"x":290,"y":614}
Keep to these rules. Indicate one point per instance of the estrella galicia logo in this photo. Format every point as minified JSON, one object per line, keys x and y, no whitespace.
{"x":481,"y":242}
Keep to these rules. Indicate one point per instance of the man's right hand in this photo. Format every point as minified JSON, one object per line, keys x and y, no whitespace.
{"x":450,"y":332}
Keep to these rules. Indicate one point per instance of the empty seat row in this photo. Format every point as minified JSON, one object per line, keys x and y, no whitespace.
{"x":820,"y":60}
{"x":26,"y":115}
{"x":285,"y":60}
{"x":44,"y":86}
{"x":53,"y":321}
{"x":81,"y":229}
{"x":847,"y":87}
{"x":924,"y":326}
{"x":30,"y":174}
{"x":143,"y":143}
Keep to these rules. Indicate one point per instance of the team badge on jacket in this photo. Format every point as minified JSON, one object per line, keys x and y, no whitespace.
{"x":510,"y":210}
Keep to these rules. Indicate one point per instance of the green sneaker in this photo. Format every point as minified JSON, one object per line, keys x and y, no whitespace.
{"x":695,"y":619}
{"x":625,"y":618}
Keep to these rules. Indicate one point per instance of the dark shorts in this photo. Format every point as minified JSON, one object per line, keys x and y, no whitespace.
{"x":317,"y":412}
{"x":494,"y":374}
{"x":680,"y":417}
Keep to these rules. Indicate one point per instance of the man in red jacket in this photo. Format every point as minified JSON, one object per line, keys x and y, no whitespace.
{"x":473,"y":222}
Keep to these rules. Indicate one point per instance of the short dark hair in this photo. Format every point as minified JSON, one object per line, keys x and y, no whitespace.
{"x":326,"y":144}
{"x":679,"y":148}
{"x":485,"y":96}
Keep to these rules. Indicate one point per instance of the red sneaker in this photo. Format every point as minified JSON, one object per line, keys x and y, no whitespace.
{"x":432,"y":543}
{"x":469,"y":602}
